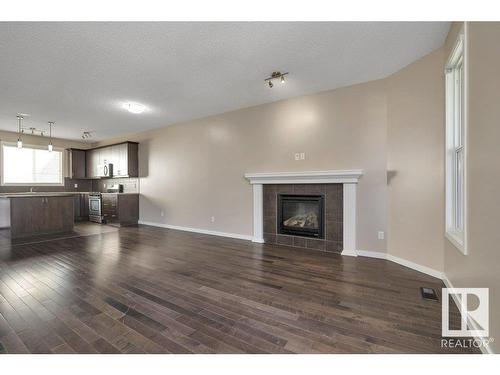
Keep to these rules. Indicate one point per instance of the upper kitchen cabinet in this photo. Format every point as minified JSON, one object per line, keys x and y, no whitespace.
{"x":123,"y":157}
{"x":77,"y":163}
{"x":92,"y":160}
{"x":126,"y":159}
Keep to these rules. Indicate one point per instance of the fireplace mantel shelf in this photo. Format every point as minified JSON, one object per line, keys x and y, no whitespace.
{"x":349,"y":179}
{"x":311,"y":177}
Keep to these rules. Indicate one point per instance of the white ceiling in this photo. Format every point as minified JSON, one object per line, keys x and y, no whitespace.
{"x":78,"y":74}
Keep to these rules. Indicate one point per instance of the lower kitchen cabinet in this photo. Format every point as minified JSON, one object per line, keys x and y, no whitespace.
{"x":81,"y":206}
{"x":120,"y":209}
{"x":38,"y":215}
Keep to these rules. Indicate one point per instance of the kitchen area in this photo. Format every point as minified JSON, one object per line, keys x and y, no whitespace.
{"x":100,"y":186}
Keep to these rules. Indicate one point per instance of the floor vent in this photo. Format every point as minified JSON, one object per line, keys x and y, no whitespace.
{"x":429,"y":293}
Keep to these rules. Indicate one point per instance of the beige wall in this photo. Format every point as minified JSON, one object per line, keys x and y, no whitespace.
{"x":195,"y":170}
{"x":415,"y":162}
{"x":481,"y":267}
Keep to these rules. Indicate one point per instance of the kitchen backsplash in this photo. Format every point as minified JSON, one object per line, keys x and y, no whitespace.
{"x":130,"y":185}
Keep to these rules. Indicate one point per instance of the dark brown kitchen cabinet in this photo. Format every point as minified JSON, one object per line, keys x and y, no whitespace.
{"x":110,"y":207}
{"x":120,"y":209}
{"x":92,"y":161}
{"x":81,"y":205}
{"x":84,"y":206}
{"x":77,"y":163}
{"x":37,"y":215}
{"x":125,"y":159}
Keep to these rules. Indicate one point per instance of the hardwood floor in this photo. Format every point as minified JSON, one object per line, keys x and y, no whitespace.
{"x":151,"y":290}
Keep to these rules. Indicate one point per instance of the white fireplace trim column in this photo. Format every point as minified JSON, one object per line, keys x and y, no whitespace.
{"x":258,"y":213}
{"x":349,"y":178}
{"x":349,"y":221}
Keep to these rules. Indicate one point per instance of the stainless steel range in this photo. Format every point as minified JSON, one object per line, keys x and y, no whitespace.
{"x":95,"y":207}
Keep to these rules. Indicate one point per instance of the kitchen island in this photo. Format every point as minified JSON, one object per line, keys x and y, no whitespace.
{"x":34,"y":214}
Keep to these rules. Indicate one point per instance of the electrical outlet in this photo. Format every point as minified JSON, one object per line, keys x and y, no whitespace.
{"x":302,"y":156}
{"x":76,"y":186}
{"x":162,"y":213}
{"x":212,"y":219}
{"x":297,"y":156}
{"x":381,"y":235}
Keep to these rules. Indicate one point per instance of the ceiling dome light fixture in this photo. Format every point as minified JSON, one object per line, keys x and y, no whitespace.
{"x":135,"y":108}
{"x":273,"y":76}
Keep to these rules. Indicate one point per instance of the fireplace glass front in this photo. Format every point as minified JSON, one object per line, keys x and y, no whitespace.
{"x":301,"y":215}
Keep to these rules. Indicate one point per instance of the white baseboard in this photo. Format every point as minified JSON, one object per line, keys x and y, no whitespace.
{"x":415,"y":266}
{"x":471,"y":322}
{"x":371,"y":254}
{"x":198,"y":230}
{"x":403,"y":262}
{"x":349,"y":253}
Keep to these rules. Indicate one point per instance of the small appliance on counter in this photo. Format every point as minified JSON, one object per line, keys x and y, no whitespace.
{"x":115,"y":188}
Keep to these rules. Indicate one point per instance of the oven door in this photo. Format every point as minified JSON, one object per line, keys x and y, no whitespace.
{"x":95,"y":206}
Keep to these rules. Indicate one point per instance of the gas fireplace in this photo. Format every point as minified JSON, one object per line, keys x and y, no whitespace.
{"x":301,"y":215}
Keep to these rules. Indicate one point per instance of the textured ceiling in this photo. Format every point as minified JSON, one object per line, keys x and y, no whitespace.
{"x":78,"y":74}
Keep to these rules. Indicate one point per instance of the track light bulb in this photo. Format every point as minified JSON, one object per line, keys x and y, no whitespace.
{"x":270,"y":84}
{"x":282,"y":79}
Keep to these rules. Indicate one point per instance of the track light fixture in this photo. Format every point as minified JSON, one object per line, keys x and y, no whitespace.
{"x":86,"y":135}
{"x":275,"y":75}
{"x":31,"y":130}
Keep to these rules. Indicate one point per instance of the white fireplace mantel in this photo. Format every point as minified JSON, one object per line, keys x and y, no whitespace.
{"x":349,"y":178}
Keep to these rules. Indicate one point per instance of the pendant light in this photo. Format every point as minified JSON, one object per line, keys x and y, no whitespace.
{"x":50,"y":135}
{"x":19,"y":140}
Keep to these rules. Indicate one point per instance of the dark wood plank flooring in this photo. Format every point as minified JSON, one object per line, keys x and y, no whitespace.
{"x":151,"y":290}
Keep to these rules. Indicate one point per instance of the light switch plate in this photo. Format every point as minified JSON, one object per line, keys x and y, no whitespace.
{"x":381,"y":235}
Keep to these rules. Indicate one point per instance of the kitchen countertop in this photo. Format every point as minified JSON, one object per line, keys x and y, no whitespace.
{"x":121,"y":193}
{"x":50,"y":194}
{"x":36,"y":194}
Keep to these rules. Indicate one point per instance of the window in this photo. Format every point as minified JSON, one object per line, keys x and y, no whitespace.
{"x":31,"y":166}
{"x":456,"y":146}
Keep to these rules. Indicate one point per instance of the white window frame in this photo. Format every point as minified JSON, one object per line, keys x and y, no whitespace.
{"x":38,"y":147}
{"x":456,"y":144}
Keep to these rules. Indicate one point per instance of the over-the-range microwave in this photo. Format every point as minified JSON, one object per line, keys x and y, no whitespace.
{"x":105,"y":170}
